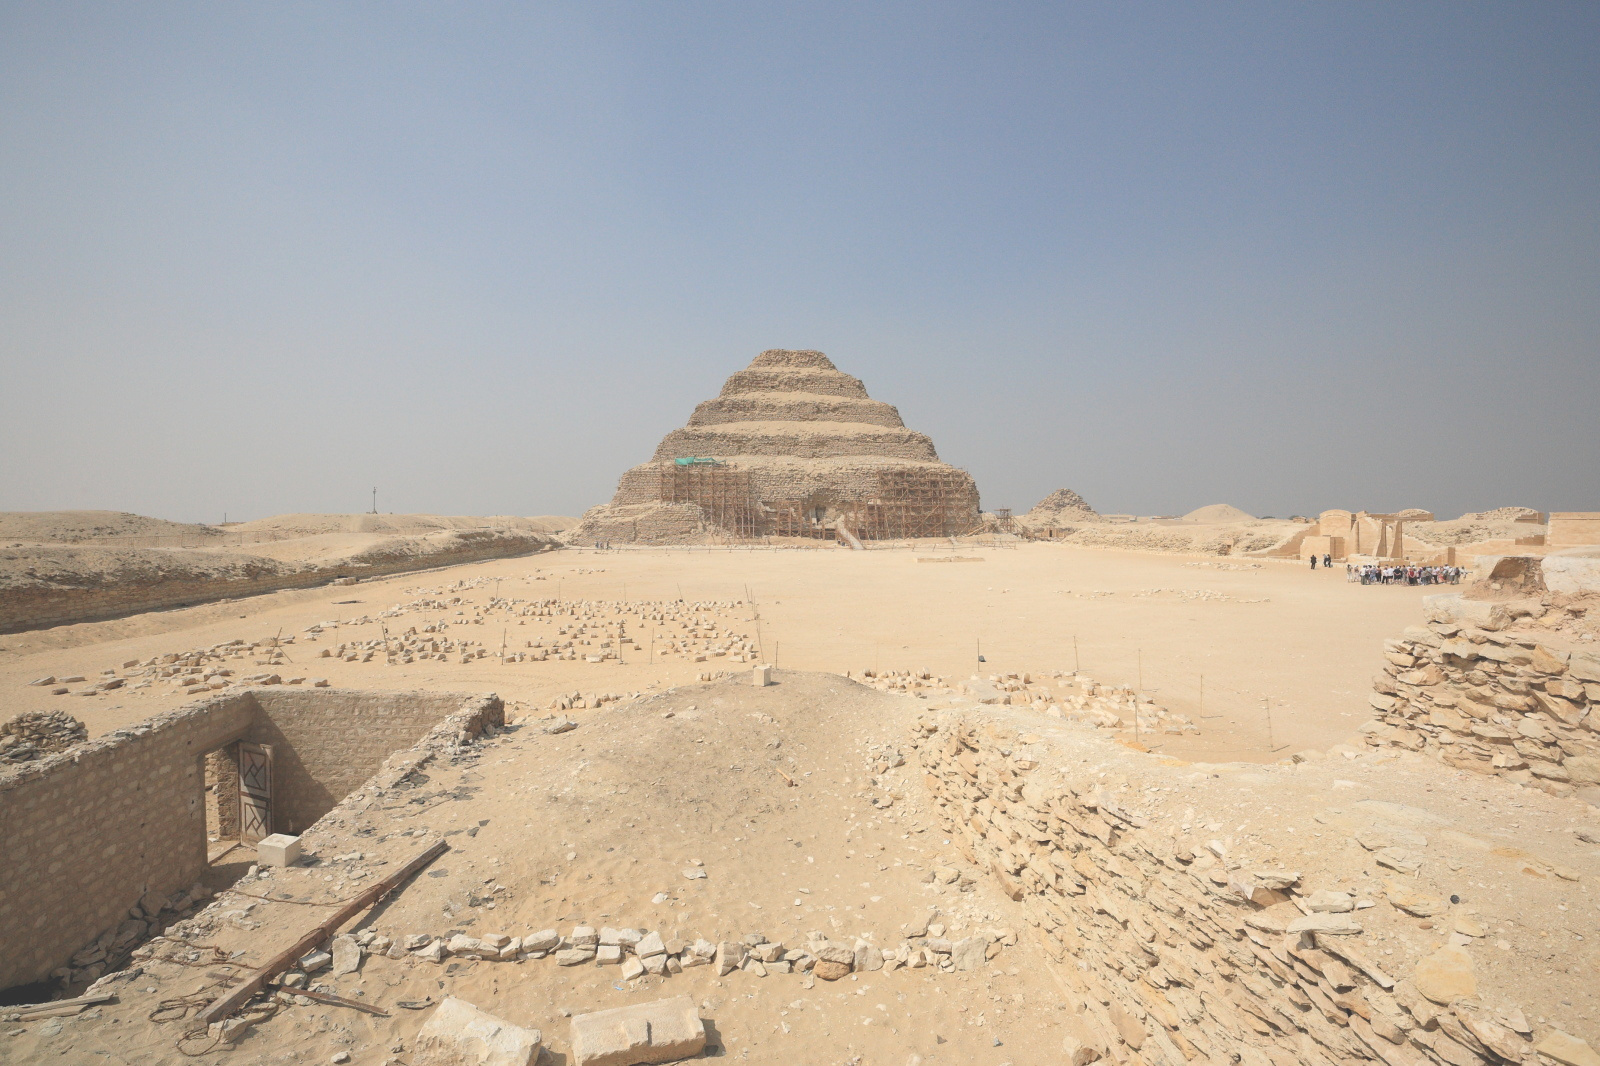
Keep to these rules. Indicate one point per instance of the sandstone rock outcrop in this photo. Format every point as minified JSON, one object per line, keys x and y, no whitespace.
{"x":791,"y":447}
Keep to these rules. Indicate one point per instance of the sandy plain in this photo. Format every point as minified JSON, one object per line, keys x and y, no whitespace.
{"x":599,"y":825}
{"x":1213,"y":638}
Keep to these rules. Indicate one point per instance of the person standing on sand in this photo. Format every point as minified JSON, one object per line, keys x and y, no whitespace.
{"x":1313,"y":562}
{"x":1327,"y":560}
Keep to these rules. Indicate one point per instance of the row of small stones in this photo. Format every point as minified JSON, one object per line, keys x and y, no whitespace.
{"x":639,"y":952}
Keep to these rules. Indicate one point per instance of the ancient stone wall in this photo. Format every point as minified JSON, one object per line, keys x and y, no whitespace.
{"x":326,"y":742}
{"x":795,"y":407}
{"x":1483,"y":689}
{"x":799,"y":440}
{"x":1175,"y":954}
{"x":90,"y":832}
{"x":222,"y":792}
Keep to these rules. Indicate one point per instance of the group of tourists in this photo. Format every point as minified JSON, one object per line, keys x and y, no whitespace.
{"x":1373,"y":574}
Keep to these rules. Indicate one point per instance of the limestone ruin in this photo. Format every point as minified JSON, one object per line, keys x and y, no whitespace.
{"x":634,"y":843}
{"x":792,"y":447}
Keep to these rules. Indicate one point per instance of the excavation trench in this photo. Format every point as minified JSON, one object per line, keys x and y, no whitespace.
{"x":110,"y":841}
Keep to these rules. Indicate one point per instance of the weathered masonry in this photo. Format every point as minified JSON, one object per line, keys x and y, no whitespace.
{"x":1171,"y":951}
{"x":91,"y":832}
{"x":793,"y":447}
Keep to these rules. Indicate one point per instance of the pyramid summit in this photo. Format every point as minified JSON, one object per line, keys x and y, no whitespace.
{"x":792,"y":446}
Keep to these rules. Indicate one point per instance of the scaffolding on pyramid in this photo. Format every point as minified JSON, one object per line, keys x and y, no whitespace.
{"x":910,"y":504}
{"x":722,"y":492}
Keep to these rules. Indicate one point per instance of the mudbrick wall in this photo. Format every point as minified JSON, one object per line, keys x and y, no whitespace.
{"x":326,"y":742}
{"x":1173,"y":953}
{"x":90,"y":832}
{"x":154,"y":579}
{"x":100,"y":838}
{"x":1484,"y":687}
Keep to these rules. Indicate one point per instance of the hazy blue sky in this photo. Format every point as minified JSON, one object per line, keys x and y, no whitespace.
{"x":256,"y":258}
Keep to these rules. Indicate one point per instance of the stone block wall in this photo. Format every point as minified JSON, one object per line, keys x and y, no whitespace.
{"x":1479,"y":689}
{"x":90,"y":832}
{"x":1172,"y":955}
{"x":327,"y":742}
{"x":222,"y":792}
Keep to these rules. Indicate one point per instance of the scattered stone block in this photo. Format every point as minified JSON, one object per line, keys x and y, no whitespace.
{"x":730,"y":956}
{"x":968,"y":953}
{"x":346,"y":955}
{"x":1446,"y":976}
{"x":1568,"y":1050}
{"x":459,"y":1034}
{"x":1325,"y":924}
{"x":763,"y":676}
{"x":663,"y":1031}
{"x":279,"y":849}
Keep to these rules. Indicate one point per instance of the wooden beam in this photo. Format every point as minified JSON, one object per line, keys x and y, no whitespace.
{"x":286,"y":958}
{"x":35,"y":1010}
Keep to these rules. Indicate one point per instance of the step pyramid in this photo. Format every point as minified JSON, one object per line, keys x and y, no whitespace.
{"x":792,"y":447}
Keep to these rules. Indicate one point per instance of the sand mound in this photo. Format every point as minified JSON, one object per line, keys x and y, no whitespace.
{"x":1218,"y":512}
{"x":74,"y":527}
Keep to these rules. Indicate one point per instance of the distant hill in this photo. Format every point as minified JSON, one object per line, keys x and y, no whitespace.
{"x":1218,"y":512}
{"x":78,"y":527}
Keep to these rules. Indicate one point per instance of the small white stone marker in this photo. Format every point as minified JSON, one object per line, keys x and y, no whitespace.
{"x":763,"y":676}
{"x":279,"y":849}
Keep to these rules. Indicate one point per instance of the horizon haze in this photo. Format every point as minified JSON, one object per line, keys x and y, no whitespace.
{"x":258,"y":260}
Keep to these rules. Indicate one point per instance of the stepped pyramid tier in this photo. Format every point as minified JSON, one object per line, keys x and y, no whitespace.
{"x":792,"y":446}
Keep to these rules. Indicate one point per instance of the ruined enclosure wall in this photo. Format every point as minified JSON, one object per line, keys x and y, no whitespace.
{"x":327,"y":742}
{"x":1477,"y":692}
{"x":89,"y":832}
{"x":1172,"y":956}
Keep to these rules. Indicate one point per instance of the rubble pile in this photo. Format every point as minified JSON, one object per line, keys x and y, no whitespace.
{"x":1087,"y":702}
{"x":36,"y":733}
{"x":596,"y":631}
{"x":111,"y":951}
{"x":1179,"y":949}
{"x":1495,"y":687}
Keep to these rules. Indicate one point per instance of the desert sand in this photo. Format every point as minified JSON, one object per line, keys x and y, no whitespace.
{"x":1254,"y":630}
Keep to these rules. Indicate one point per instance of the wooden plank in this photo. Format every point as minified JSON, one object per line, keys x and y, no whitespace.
{"x":280,"y":962}
{"x":33,"y":1010}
